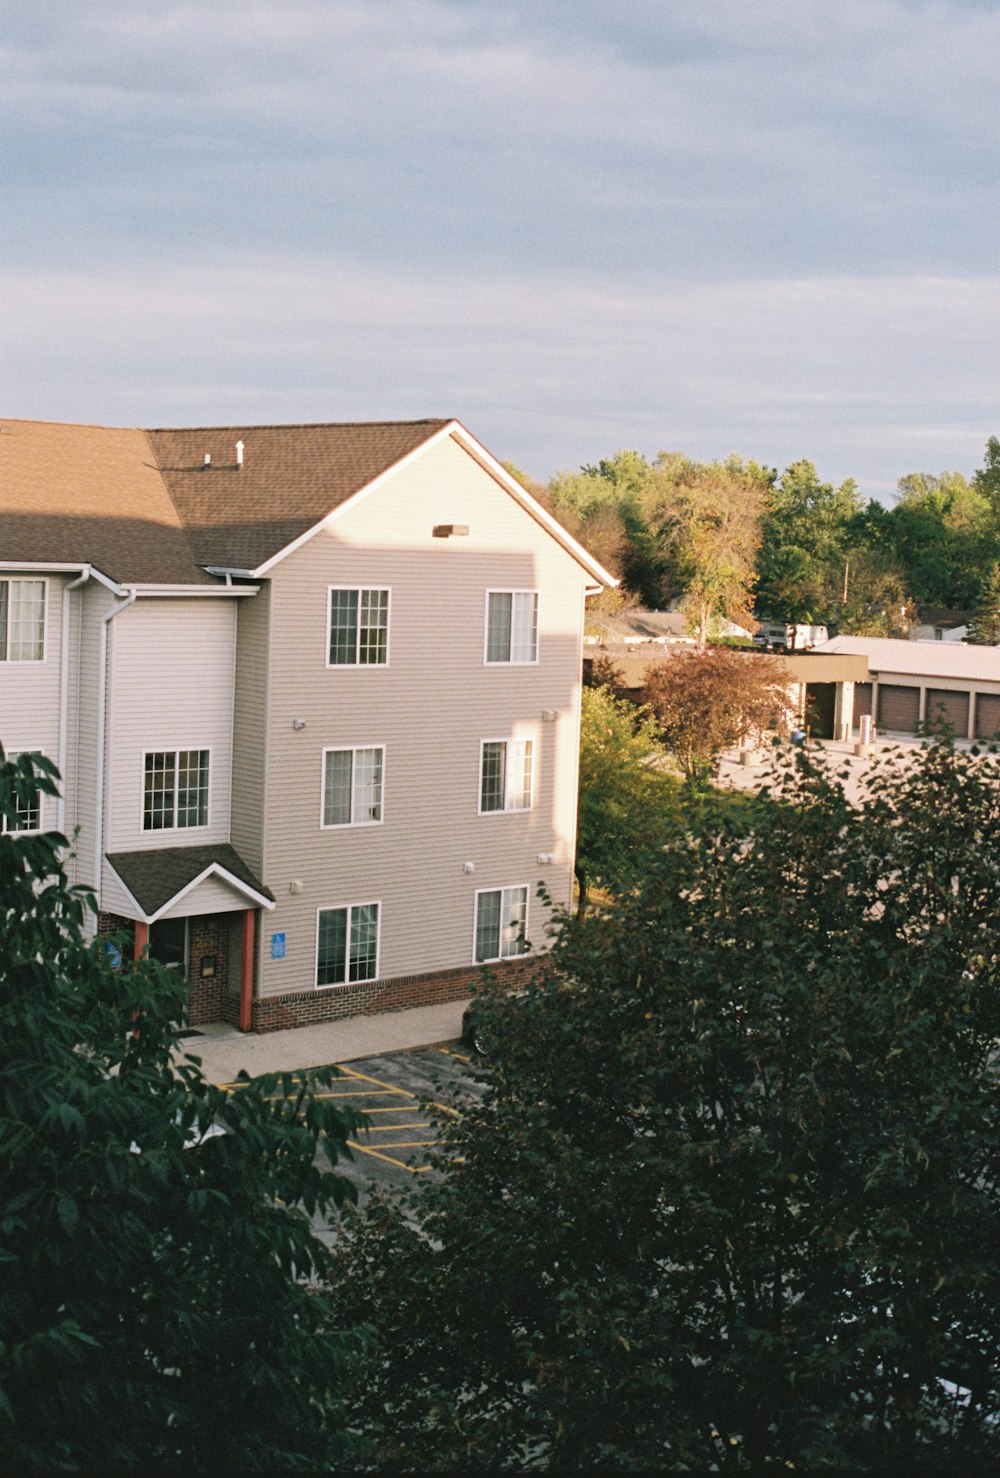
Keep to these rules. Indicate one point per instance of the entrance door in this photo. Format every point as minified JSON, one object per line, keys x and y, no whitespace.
{"x":821,"y":701}
{"x":168,"y":943}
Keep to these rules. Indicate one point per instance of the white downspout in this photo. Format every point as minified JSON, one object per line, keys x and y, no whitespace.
{"x":81,"y":579}
{"x":102,"y":728}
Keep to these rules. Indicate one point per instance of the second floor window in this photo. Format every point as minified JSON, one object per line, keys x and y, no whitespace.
{"x":22,"y":620}
{"x":512,"y":626}
{"x":359,"y":628}
{"x":175,"y":789}
{"x":505,"y":775}
{"x":352,"y":786}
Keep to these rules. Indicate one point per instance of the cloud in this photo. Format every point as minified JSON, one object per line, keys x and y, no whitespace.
{"x":551,"y":371}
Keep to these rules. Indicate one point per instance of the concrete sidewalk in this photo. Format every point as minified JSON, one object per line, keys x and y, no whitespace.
{"x":224,"y":1050}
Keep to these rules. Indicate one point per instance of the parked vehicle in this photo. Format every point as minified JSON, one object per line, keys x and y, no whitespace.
{"x":789,"y":636}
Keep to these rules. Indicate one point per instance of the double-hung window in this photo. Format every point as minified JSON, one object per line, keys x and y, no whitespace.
{"x":347,"y":944}
{"x":512,"y":626}
{"x":27,"y":813}
{"x":352,"y":786}
{"x":359,"y":627}
{"x":501,"y":923}
{"x":22,"y":620}
{"x":175,"y":789}
{"x":505,"y":773}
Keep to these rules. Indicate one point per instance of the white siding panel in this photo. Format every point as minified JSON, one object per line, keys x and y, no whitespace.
{"x":170,"y":687}
{"x":95,"y":601}
{"x":213,"y":895}
{"x":431,"y":707}
{"x":29,"y":694}
{"x":250,"y":728}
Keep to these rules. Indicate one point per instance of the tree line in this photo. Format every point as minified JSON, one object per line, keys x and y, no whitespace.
{"x":729,"y":1197}
{"x":734,"y":538}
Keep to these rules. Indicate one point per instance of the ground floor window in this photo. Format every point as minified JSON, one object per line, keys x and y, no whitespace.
{"x":347,"y":944}
{"x":27,"y":813}
{"x":501,"y":923}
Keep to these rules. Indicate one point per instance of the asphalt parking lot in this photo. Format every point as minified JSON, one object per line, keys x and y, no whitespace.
{"x":391,"y":1091}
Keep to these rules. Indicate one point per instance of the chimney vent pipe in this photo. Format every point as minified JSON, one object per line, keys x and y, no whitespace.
{"x":239,"y":454}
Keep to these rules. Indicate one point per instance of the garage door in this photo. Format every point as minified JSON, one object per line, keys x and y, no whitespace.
{"x":987,"y":715}
{"x":898,"y":708}
{"x":949,"y":706}
{"x":862,"y":701}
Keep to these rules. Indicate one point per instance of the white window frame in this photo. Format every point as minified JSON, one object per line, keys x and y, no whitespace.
{"x":513,"y":792}
{"x":353,"y":750}
{"x":176,"y":750}
{"x":25,"y":831}
{"x":358,"y":590}
{"x":521,"y":889}
{"x":10,"y":581}
{"x":348,"y":908}
{"x":510,"y":661}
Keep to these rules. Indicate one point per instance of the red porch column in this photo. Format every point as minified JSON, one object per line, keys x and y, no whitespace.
{"x":246,"y":971}
{"x":141,"y":939}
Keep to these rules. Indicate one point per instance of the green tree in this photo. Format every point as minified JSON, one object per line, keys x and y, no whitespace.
{"x":707,"y":521}
{"x":701,"y":702}
{"x":730,"y":1198}
{"x":809,"y":533}
{"x":987,"y":478}
{"x":984,"y":628}
{"x":943,"y":531}
{"x":624,"y":798}
{"x":159,"y":1306}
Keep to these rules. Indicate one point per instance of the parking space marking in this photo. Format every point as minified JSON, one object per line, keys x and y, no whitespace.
{"x":370,"y":1088}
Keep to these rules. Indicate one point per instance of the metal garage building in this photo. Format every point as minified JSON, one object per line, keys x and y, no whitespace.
{"x":913,"y":685}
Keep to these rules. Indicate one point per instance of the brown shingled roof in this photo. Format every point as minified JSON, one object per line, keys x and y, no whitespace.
{"x":143,"y":507}
{"x":291,"y":478}
{"x":156,"y":875}
{"x":90,"y":495}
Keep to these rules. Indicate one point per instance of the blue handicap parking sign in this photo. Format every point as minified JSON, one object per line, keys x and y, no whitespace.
{"x":277,"y":946}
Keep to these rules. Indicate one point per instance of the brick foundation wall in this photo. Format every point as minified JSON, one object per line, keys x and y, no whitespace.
{"x":216,"y":998}
{"x":372,"y":997}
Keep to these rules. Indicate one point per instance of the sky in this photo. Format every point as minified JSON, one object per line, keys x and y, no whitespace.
{"x":763,"y":227}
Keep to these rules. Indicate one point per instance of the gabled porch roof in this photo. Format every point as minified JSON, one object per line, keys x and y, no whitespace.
{"x":158,"y":878}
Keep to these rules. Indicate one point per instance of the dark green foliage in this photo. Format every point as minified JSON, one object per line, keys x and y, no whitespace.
{"x":158,"y":1305}
{"x":731,"y":1198}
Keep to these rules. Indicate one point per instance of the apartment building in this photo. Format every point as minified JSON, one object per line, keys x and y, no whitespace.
{"x":314,"y":692}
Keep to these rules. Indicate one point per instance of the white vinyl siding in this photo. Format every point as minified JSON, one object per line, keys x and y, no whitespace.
{"x":352,"y":786}
{"x":22,"y":620}
{"x":175,"y":789}
{"x":512,"y":626}
{"x":359,"y":627}
{"x":347,"y":944}
{"x":430,"y":708}
{"x":505,"y":775}
{"x":501,"y":923}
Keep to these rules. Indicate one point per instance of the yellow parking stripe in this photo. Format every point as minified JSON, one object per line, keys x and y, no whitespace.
{"x":400,"y":1164}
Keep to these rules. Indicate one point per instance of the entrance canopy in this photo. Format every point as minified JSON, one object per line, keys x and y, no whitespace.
{"x":178,"y":882}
